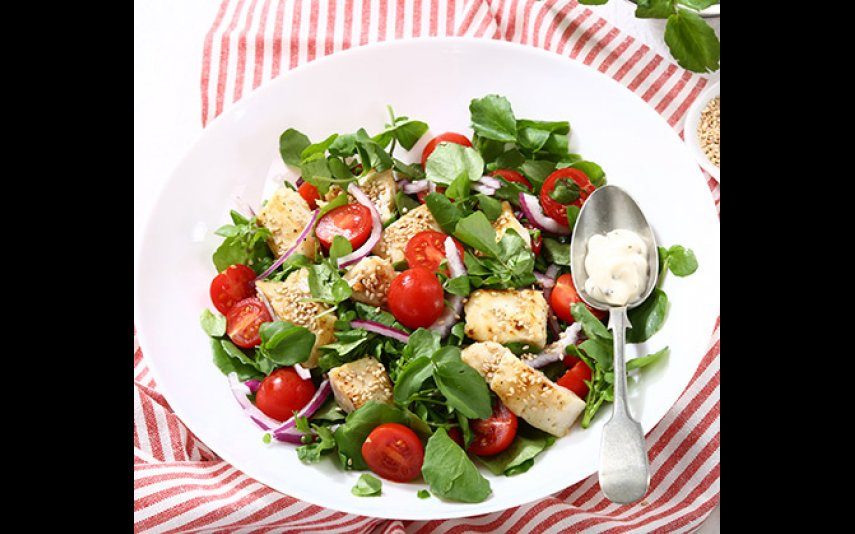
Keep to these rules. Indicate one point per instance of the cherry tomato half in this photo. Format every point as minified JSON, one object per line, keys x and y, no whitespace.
{"x":427,"y":249}
{"x":394,"y":452}
{"x":494,"y":434}
{"x":553,"y":208}
{"x":574,"y":379}
{"x":416,"y":298}
{"x":310,"y":194}
{"x":447,"y":137}
{"x":352,"y":221}
{"x":244,"y":320}
{"x":564,"y":295}
{"x":236,"y":283}
{"x":283,"y":392}
{"x":512,"y":176}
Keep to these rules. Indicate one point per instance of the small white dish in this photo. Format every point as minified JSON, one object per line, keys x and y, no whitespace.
{"x":690,"y":131}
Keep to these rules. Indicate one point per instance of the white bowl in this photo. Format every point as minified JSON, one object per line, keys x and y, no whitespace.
{"x":432,"y":80}
{"x":690,"y":131}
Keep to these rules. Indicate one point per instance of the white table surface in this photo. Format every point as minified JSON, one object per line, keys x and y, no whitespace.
{"x":168,"y":39}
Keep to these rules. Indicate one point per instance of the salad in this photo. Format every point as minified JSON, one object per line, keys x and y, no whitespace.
{"x":416,"y":317}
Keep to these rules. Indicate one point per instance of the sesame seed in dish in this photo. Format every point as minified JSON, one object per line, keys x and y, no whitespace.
{"x":709,"y":131}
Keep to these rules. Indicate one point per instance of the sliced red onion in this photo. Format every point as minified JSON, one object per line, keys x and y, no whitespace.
{"x":382,"y":329}
{"x":263,"y":298}
{"x":489,"y":181}
{"x":551,"y":273}
{"x":240,"y":391}
{"x":304,"y":373}
{"x":545,"y":281}
{"x":376,"y":228}
{"x":288,"y":427}
{"x":253,"y":385}
{"x":402,"y":183}
{"x":455,"y":304}
{"x":431,"y":187}
{"x":552,"y":321}
{"x":244,"y":205}
{"x":534,"y":212}
{"x":302,"y":237}
{"x":555,"y":351}
{"x":299,"y":182}
{"x":452,"y":254}
{"x":289,"y":436}
{"x":415,"y":187}
{"x":485,"y":189}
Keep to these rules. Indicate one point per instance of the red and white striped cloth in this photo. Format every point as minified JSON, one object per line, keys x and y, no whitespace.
{"x":182,"y":486}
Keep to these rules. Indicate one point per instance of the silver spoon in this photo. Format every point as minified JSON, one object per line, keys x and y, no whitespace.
{"x":624,"y":473}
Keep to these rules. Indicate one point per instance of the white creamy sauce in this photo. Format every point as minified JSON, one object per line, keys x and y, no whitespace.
{"x":616,"y":264}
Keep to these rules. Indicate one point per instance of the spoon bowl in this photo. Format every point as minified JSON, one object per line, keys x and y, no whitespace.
{"x":610,"y":208}
{"x":624,"y":471}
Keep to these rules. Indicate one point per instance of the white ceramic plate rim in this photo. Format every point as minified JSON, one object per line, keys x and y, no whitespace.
{"x":454,"y":509}
{"x":693,"y":117}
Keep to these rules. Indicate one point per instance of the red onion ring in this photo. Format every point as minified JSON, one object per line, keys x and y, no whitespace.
{"x":534,"y":212}
{"x":382,"y":329}
{"x":484,"y":189}
{"x":304,"y":373}
{"x":489,"y":181}
{"x":555,"y":351}
{"x":253,"y":385}
{"x":415,"y":187}
{"x":376,"y":228}
{"x":452,"y":312}
{"x":303,"y":235}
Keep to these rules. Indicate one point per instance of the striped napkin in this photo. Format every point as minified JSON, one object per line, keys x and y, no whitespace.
{"x":180,"y":485}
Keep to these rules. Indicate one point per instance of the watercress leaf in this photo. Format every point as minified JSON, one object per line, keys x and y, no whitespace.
{"x":572,"y":215}
{"x":404,"y":203}
{"x":644,"y":361}
{"x":246,"y":247}
{"x":519,"y":457}
{"x":594,"y":172}
{"x":654,"y":9}
{"x":323,"y":441}
{"x":459,"y":187}
{"x":537,"y":171}
{"x":291,"y":145}
{"x":407,"y":132}
{"x":413,"y":170}
{"x":228,"y":364}
{"x":329,"y":411}
{"x":533,"y":135}
{"x":477,"y":232}
{"x":423,"y":342}
{"x":213,"y":324}
{"x":465,"y":429}
{"x":493,"y":118}
{"x":371,"y":154}
{"x":648,"y":317}
{"x":227,"y":230}
{"x":556,"y":252}
{"x":411,"y":378}
{"x":697,"y":4}
{"x":488,"y":148}
{"x":510,"y":191}
{"x":458,"y":286}
{"x":339,"y":248}
{"x":285,"y":343}
{"x":316,"y":171}
{"x":600,"y":351}
{"x":339,"y":169}
{"x":465,"y":389}
{"x":326,"y":285}
{"x":474,"y":266}
{"x":317,"y":149}
{"x":456,"y":336}
{"x":338,"y":201}
{"x":367,"y":486}
{"x":444,"y":211}
{"x":378,"y":315}
{"x":682,"y":261}
{"x":450,"y":473}
{"x":556,"y":146}
{"x":351,"y":435}
{"x":423,"y":494}
{"x":510,"y":159}
{"x":692,"y":42}
{"x":491,"y":207}
{"x":565,"y":192}
{"x":449,"y":160}
{"x":593,"y":327}
{"x":343,"y":146}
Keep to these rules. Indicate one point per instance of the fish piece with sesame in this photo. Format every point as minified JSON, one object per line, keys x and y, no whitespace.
{"x":355,"y":383}
{"x":370,"y":279}
{"x":526,"y":392}
{"x":400,"y":232}
{"x":287,"y":301}
{"x":286,"y":214}
{"x":507,"y":316}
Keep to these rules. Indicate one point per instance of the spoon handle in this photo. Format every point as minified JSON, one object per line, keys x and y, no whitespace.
{"x":624,"y":473}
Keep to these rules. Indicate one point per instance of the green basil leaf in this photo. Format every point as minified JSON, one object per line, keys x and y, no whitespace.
{"x":648,"y":317}
{"x":450,"y":473}
{"x":692,"y":42}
